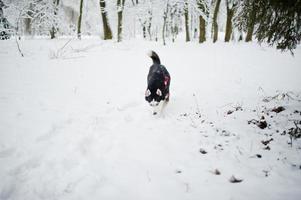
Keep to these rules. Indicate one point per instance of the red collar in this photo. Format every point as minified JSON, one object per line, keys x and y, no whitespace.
{"x":166,"y":80}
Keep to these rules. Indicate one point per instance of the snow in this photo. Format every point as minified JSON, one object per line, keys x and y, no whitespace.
{"x":74,"y":123}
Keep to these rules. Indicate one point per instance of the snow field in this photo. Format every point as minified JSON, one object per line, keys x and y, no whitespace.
{"x":74,"y":123}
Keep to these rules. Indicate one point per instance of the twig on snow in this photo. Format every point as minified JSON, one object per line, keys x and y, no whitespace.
{"x":19,"y":47}
{"x":60,"y":52}
{"x":197,"y":106}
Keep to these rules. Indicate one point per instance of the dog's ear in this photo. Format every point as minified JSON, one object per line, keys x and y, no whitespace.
{"x":159,"y":93}
{"x":147,"y":93}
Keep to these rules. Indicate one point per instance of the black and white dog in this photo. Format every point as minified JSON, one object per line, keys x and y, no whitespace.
{"x":158,"y":81}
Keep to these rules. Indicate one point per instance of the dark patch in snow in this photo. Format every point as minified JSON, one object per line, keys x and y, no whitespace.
{"x":216,"y":172}
{"x":266,"y":173}
{"x":297,"y":112}
{"x":233,"y":179}
{"x":203,"y":151}
{"x":219,"y":147}
{"x":258,"y":156}
{"x":267,"y":148}
{"x":184,"y":115}
{"x":225,"y":133}
{"x":230,"y":112}
{"x":237,"y":108}
{"x":260,"y":123}
{"x":266,"y":142}
{"x":278,"y":109}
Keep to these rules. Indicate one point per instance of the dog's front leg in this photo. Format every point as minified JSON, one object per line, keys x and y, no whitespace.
{"x":159,"y":108}
{"x":156,"y":109}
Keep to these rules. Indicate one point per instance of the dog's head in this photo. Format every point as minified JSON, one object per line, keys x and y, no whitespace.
{"x":154,"y":96}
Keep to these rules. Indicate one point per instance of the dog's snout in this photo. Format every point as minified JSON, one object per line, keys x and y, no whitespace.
{"x":154,"y":103}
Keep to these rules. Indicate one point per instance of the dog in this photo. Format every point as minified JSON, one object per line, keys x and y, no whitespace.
{"x":158,"y":82}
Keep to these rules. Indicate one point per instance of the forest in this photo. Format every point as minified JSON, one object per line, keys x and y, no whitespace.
{"x":276,"y":22}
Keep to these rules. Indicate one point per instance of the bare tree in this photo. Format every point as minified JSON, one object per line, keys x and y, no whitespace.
{"x":186,"y":14}
{"x":231,"y":6}
{"x":106,"y":27}
{"x":165,"y":21}
{"x":120,"y":7}
{"x":215,"y":24}
{"x":53,"y":30}
{"x":203,"y":8}
{"x":175,"y":16}
{"x":28,"y":19}
{"x":149,"y":27}
{"x":79,"y":23}
{"x":251,"y":20}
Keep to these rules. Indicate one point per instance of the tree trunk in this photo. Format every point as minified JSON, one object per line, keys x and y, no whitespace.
{"x":251,"y":23}
{"x":164,"y":27}
{"x":230,"y":13}
{"x":27,"y":23}
{"x":79,"y":24}
{"x":144,"y":31}
{"x":106,"y":27}
{"x":52,"y":33}
{"x":202,"y":34}
{"x":149,"y":27}
{"x":120,"y":6}
{"x":27,"y":20}
{"x":54,"y":29}
{"x":202,"y":6}
{"x":1,"y":8}
{"x":215,"y":25}
{"x":240,"y":38}
{"x":186,"y":14}
{"x":164,"y":22}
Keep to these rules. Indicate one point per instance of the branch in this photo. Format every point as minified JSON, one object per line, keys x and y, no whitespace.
{"x":19,"y":47}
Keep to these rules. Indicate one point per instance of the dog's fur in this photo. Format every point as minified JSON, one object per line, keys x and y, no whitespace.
{"x":158,"y":81}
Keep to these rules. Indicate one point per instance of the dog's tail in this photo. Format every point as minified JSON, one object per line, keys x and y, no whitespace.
{"x":154,"y":57}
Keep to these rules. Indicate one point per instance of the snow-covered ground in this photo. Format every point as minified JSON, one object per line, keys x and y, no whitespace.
{"x":74,"y":123}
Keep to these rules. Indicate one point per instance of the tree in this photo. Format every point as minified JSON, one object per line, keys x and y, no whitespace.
{"x":120,"y":6}
{"x":40,"y":17}
{"x":245,"y":19}
{"x":28,"y":19}
{"x":54,"y":28}
{"x":106,"y":27}
{"x":186,"y":14}
{"x":149,"y":27}
{"x":204,"y":13}
{"x":214,"y":21}
{"x":251,"y":10}
{"x":231,"y":7}
{"x":79,"y":24}
{"x":4,"y":24}
{"x":175,"y":15}
{"x":239,"y":21}
{"x":165,"y":15}
{"x":279,"y":23}
{"x":144,"y":14}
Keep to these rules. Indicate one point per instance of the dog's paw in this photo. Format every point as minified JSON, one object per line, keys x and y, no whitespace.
{"x":166,"y":97}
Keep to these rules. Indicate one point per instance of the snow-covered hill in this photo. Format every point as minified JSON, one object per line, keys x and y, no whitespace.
{"x":74,"y":123}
